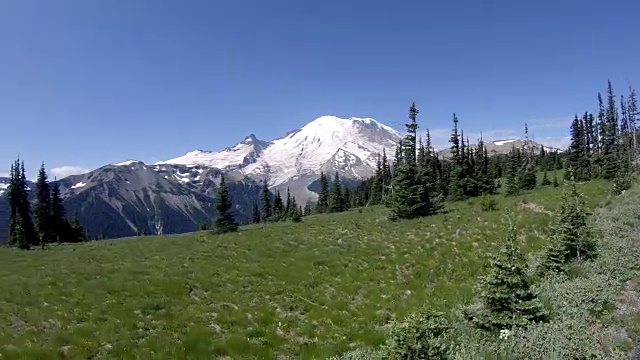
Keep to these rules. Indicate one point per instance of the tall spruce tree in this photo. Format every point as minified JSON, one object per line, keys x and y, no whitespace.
{"x":59,"y":222}
{"x":456,"y":166}
{"x":323,"y":195}
{"x":278,"y":206}
{"x":609,"y":155}
{"x":512,"y":185}
{"x":22,"y":232}
{"x":336,"y":200}
{"x":225,"y":221}
{"x":265,"y":199}
{"x":42,"y":208}
{"x":255,"y":213}
{"x":410,"y":197}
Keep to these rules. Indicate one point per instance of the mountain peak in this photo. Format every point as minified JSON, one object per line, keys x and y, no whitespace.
{"x":128,"y":162}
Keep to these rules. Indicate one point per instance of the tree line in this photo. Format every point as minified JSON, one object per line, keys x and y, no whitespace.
{"x":46,"y":221}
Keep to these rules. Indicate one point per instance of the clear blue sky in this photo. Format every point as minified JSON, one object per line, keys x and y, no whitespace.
{"x":89,"y":82}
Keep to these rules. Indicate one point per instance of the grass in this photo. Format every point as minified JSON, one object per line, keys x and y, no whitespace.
{"x":310,"y":290}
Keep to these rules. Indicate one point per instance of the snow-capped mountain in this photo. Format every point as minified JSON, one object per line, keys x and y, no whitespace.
{"x":329,"y":143}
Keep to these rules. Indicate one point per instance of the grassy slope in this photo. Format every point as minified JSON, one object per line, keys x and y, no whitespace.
{"x":308,"y":290}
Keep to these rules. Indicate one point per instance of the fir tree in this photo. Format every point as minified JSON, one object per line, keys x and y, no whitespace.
{"x":42,"y":208}
{"x":456,"y":185}
{"x":410,"y":197}
{"x":22,"y":232}
{"x":570,"y":234}
{"x":545,"y":179}
{"x":609,"y":152}
{"x":225,"y":222}
{"x":77,"y":232}
{"x":507,"y":298}
{"x":59,"y":220}
{"x":512,"y":186}
{"x":255,"y":213}
{"x":555,"y":179}
{"x":336,"y":199}
{"x":323,"y":195}
{"x":278,"y":206}
{"x":377,"y":184}
{"x":265,"y":199}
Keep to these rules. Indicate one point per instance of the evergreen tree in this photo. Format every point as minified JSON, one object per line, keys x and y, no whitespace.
{"x":632,"y":118}
{"x":225,"y":222}
{"x":42,"y":208}
{"x":570,"y":235}
{"x":608,"y":149}
{"x":265,"y":198}
{"x":278,"y":206}
{"x":77,"y":232}
{"x":410,"y":198}
{"x":288,"y":210}
{"x":323,"y":195}
{"x":22,"y":232}
{"x":545,"y":179}
{"x":512,"y":186}
{"x":555,"y":179}
{"x":578,"y":156}
{"x":255,"y":213}
{"x":336,"y":199}
{"x":60,"y":224}
{"x":527,"y":178}
{"x":377,"y":184}
{"x":507,"y":298}
{"x":456,"y":170}
{"x":346,"y":196}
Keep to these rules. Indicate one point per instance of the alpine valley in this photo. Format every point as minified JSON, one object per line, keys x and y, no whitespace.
{"x":176,"y":195}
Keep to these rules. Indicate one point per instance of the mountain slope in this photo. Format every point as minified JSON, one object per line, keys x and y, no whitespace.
{"x":131,"y":197}
{"x":329,"y":143}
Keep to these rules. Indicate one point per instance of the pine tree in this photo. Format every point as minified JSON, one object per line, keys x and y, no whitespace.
{"x":265,"y":199}
{"x":609,"y":155}
{"x":507,"y":298}
{"x":512,"y":185}
{"x":336,"y":200}
{"x":255,"y":213}
{"x":288,"y":211}
{"x":570,"y":234}
{"x":410,"y":198}
{"x":377,"y":184}
{"x":555,"y":179}
{"x":22,"y":232}
{"x":77,"y":231}
{"x":225,"y":222}
{"x":545,"y":179}
{"x":42,"y":208}
{"x":61,"y":226}
{"x":323,"y":195}
{"x":632,"y":118}
{"x":278,"y":206}
{"x":456,"y":185}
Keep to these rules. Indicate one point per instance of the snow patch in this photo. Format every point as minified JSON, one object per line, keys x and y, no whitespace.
{"x":503,"y":142}
{"x":125,"y":163}
{"x":78,"y":185}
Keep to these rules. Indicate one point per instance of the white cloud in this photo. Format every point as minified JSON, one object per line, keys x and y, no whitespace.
{"x":64,"y":171}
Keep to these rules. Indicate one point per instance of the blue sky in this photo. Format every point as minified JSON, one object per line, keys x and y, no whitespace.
{"x":84,"y":83}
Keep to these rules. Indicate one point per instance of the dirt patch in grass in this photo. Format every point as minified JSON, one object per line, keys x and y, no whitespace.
{"x":526,"y":205}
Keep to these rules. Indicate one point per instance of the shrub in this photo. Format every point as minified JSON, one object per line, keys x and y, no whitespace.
{"x":487,"y":203}
{"x":421,"y":336}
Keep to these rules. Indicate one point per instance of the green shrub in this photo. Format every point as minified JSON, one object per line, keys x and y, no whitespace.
{"x":488,"y":203}
{"x":421,"y":336}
